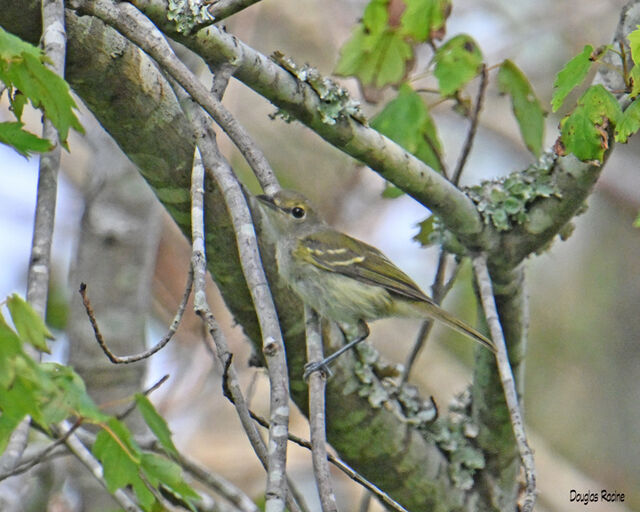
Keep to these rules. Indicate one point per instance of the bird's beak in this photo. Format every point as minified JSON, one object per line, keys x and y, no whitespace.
{"x":267,"y":201}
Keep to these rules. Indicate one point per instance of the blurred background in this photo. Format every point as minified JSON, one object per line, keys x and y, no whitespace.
{"x":582,"y":396}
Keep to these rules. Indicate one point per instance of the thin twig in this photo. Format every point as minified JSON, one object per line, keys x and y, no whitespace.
{"x":136,"y":27}
{"x":233,"y":392}
{"x":427,"y":325}
{"x":224,"y":8}
{"x":218,"y":484}
{"x":342,"y":466}
{"x":439,"y":290}
{"x":273,"y":345}
{"x":506,"y":377}
{"x":29,"y":462}
{"x":54,"y":42}
{"x":147,"y":353}
{"x":317,"y":385}
{"x":146,"y":392}
{"x":37,"y":458}
{"x":471,"y":134}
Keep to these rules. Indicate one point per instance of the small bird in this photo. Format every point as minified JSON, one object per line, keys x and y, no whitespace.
{"x":343,"y":279}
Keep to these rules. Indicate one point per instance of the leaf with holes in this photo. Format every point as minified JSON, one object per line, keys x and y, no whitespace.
{"x":585,"y":130}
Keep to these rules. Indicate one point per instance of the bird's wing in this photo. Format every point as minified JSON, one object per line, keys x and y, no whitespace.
{"x":336,"y":252}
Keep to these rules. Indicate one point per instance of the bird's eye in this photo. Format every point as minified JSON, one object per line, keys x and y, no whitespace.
{"x":298,"y":212}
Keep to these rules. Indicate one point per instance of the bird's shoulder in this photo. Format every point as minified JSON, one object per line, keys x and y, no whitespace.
{"x":338,"y":252}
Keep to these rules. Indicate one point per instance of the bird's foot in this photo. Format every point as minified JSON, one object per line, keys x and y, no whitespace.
{"x":319,"y":366}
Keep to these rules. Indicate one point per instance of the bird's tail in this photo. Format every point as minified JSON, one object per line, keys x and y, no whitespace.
{"x":432,"y":310}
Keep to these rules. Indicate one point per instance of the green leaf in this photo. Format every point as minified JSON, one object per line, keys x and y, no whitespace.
{"x":634,"y":45}
{"x":156,"y":423}
{"x":391,"y":191}
{"x":457,"y":63}
{"x":571,"y":76}
{"x":425,"y":19}
{"x":22,"y":68}
{"x":29,"y":325}
{"x":629,"y":122}
{"x":12,"y":46}
{"x":47,"y":91}
{"x":525,"y":104}
{"x":636,"y":223}
{"x":407,"y":121}
{"x":18,"y":101}
{"x":376,"y":16}
{"x":634,"y":76}
{"x":71,"y":397}
{"x":426,"y":228}
{"x":10,"y":348}
{"x":120,"y":458}
{"x":160,"y":470}
{"x":24,"y":142}
{"x":584,"y":131}
{"x":378,"y":59}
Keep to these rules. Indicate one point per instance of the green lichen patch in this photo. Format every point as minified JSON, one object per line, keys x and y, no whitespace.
{"x":505,"y":202}
{"x":335,"y":100}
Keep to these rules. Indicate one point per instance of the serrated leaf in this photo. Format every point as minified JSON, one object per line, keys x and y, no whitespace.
{"x":156,"y":423}
{"x":425,"y":19}
{"x":407,"y":121}
{"x":525,"y":104}
{"x":634,"y":45}
{"x":22,"y":68}
{"x":457,"y":63}
{"x":629,"y":122}
{"x":30,"y":326}
{"x":571,"y":76}
{"x":120,"y":458}
{"x":584,"y":131}
{"x":426,"y":228}
{"x":24,"y":142}
{"x":52,"y":93}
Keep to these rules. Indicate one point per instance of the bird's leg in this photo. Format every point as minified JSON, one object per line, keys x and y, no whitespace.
{"x":309,"y":368}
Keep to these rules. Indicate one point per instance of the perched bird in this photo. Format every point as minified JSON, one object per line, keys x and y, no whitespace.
{"x":343,"y":279}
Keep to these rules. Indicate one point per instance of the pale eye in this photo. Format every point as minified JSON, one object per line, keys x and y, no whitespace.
{"x":298,"y":212}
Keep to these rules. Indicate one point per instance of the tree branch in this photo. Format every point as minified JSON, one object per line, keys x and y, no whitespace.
{"x":317,"y":384}
{"x":506,"y":377}
{"x":300,"y":100}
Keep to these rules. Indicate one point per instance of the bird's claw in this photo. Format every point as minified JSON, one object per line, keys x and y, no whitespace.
{"x":320,"y":366}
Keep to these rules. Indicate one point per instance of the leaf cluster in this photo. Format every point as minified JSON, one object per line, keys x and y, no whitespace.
{"x":587,"y":129}
{"x":50,"y":393}
{"x":380,"y":52}
{"x":29,"y":80}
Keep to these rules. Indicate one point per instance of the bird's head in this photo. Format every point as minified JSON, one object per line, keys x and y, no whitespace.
{"x":289,"y":213}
